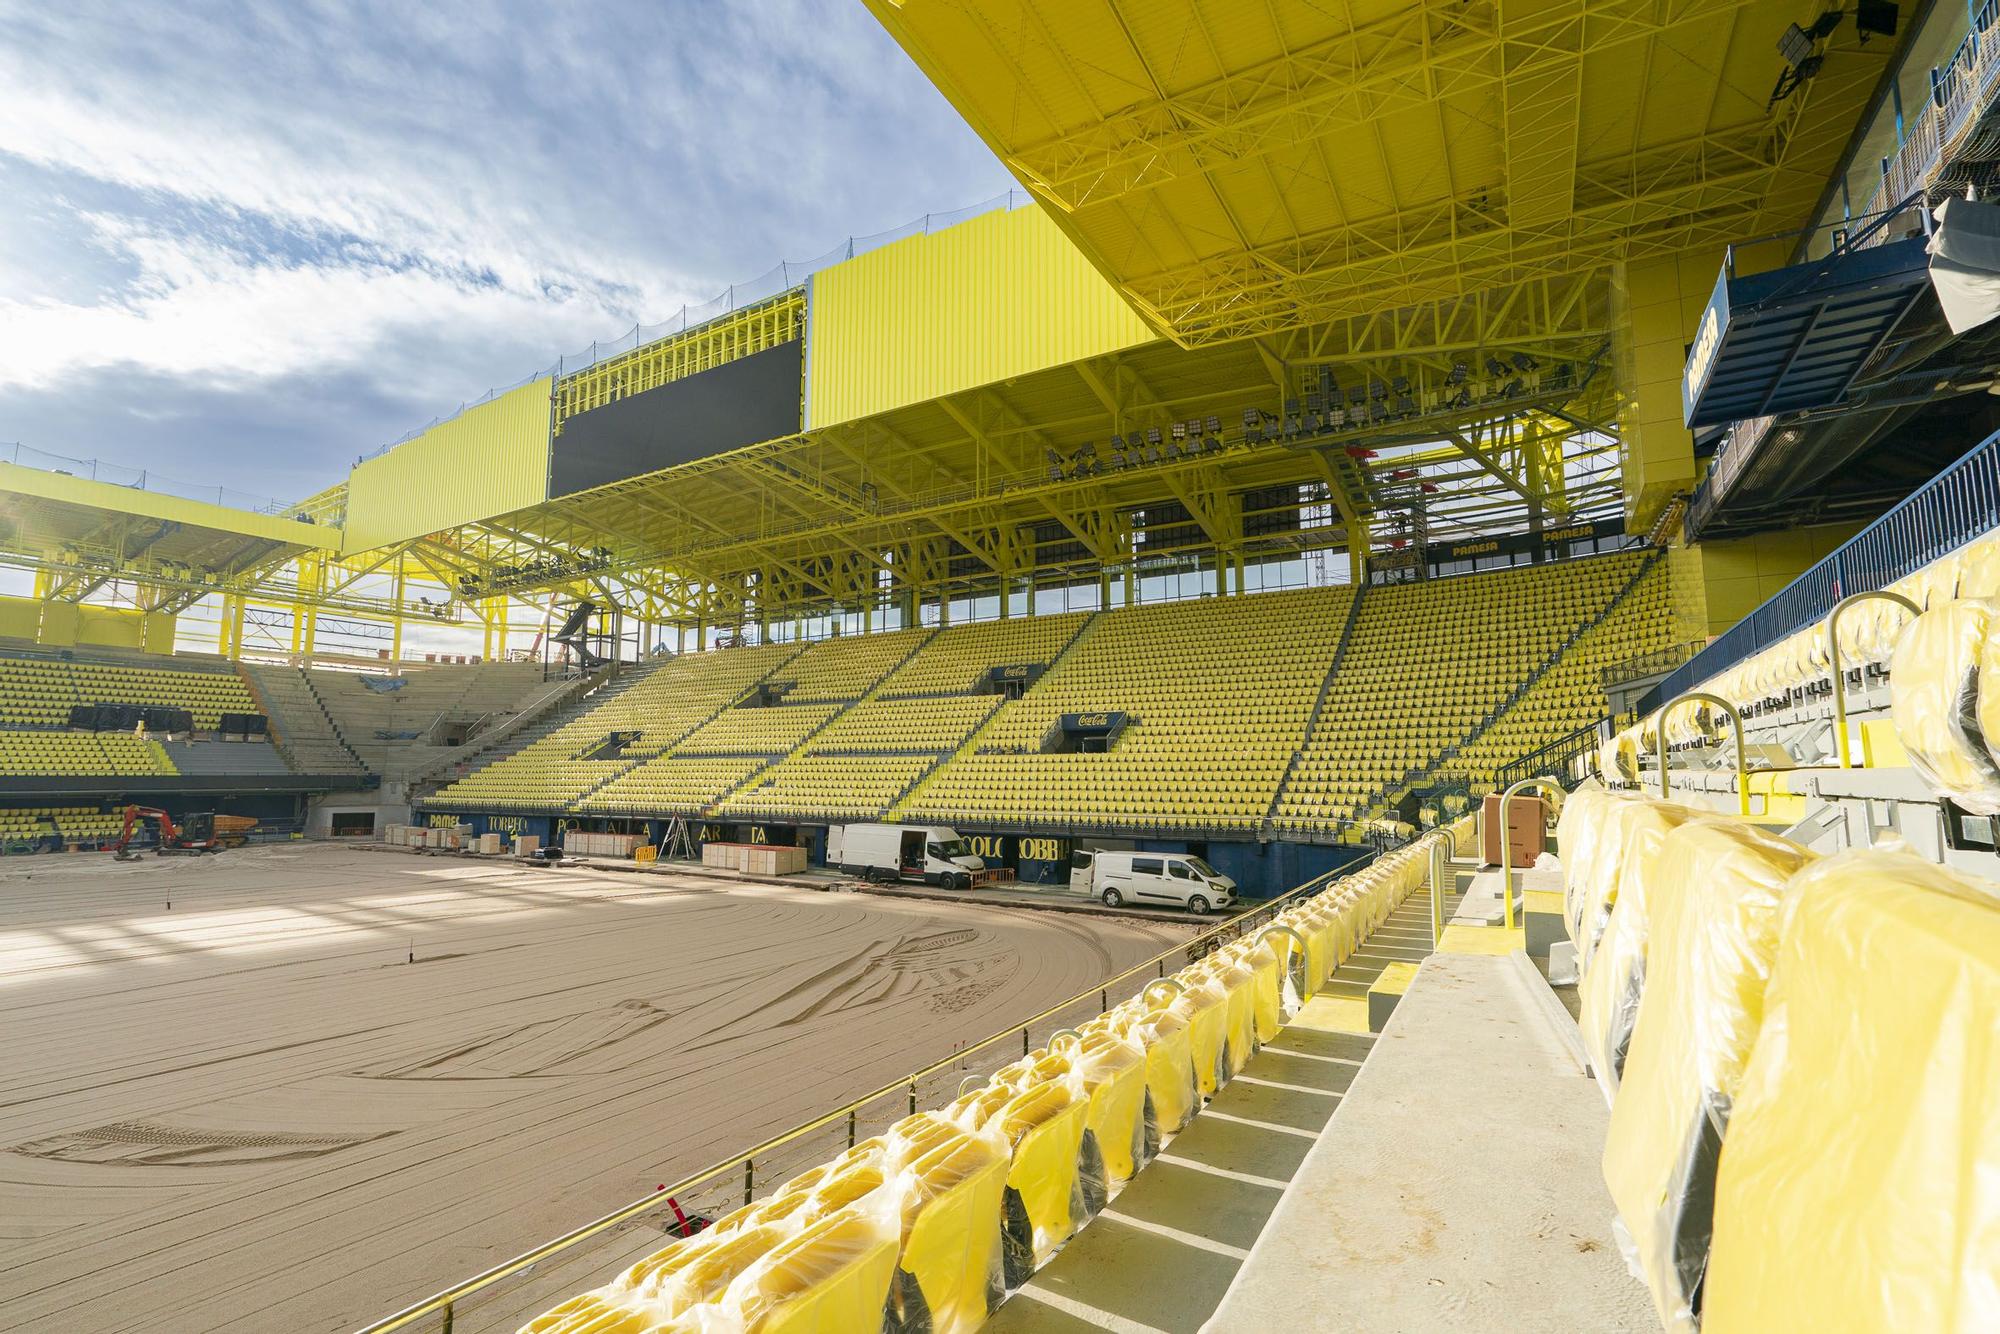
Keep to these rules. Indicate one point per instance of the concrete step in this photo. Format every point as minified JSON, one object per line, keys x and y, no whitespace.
{"x":1165,"y":1251}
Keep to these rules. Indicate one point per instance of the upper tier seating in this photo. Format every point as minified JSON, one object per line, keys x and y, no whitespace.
{"x":1428,"y":664}
{"x":870,"y":754}
{"x":1217,"y":694}
{"x":39,"y":691}
{"x":58,"y":754}
{"x":847,"y":667}
{"x":1570,"y":694}
{"x":660,"y":703}
{"x":953,"y":662}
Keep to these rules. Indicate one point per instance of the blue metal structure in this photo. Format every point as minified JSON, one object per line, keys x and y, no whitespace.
{"x":1958,"y":505}
{"x":1797,"y":337}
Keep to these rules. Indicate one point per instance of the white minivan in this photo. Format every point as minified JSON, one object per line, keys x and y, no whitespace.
{"x":1175,"y":878}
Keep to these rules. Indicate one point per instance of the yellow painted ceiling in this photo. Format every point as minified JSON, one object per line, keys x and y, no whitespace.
{"x":1244,"y":166}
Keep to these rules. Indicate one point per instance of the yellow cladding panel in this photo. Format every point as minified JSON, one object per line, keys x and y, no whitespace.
{"x":1001,"y":295}
{"x":65,"y":623}
{"x":113,"y":499}
{"x":486,"y":461}
{"x":20,"y":618}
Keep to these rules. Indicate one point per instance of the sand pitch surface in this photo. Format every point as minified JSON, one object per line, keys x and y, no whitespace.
{"x":251,"y":1112}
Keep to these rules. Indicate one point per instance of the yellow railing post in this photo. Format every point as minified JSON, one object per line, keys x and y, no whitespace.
{"x":1736,"y":723}
{"x":1833,"y":662}
{"x":1507,"y":844}
{"x":1439,"y":870}
{"x":1306,"y":987}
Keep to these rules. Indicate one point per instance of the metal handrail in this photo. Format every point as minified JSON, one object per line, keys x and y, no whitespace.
{"x":1841,"y":745}
{"x":443,"y":1302}
{"x":1951,"y":509}
{"x":1305,"y":985}
{"x":1507,"y":844}
{"x":1736,"y":720}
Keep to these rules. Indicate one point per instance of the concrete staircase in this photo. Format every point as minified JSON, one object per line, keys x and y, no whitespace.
{"x":1164,"y":1253}
{"x":402,"y":731}
{"x":300,"y":725}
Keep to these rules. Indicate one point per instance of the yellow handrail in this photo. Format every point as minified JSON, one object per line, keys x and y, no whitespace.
{"x":1840,"y":676}
{"x":1736,"y":721}
{"x":1507,"y":844}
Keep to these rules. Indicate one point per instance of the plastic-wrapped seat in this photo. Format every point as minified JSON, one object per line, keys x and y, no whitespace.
{"x":1205,"y":1006}
{"x":1172,"y":1098}
{"x":1614,"y":977}
{"x":605,"y":1311}
{"x":1577,"y":832}
{"x":833,"y":1273}
{"x":1944,"y":701}
{"x":689,"y":1273}
{"x":1715,"y":907}
{"x":1238,"y":983}
{"x":1590,"y":876}
{"x":1860,"y":1188}
{"x":1112,"y":1071}
{"x":951,"y":1187}
{"x":1043,"y":1127}
{"x":1271,"y":1002}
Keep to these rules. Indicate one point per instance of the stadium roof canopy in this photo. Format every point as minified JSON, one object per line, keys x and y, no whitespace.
{"x":1420,"y":205}
{"x":1239,"y":168}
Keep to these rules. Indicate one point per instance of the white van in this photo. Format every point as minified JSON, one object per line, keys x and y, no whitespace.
{"x":927,"y":852}
{"x":1151,"y":877}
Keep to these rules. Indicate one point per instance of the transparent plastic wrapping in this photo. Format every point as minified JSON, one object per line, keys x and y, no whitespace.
{"x":950,"y":1188}
{"x":1590,"y":868}
{"x":1577,"y":829}
{"x":1112,"y":1073}
{"x":1614,"y":977}
{"x":1045,"y":1126}
{"x":1205,"y":1006}
{"x":924,"y":1228}
{"x":1238,"y":985}
{"x":1268,"y":991}
{"x":1170,"y":1083}
{"x":834,"y":1273}
{"x":1861,"y":1185}
{"x":692,"y":1272}
{"x":1979,"y":568}
{"x":1714,"y":908}
{"x":1935,"y":701}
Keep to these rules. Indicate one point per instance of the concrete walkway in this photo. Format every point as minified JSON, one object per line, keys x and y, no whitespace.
{"x":1459,"y":1186}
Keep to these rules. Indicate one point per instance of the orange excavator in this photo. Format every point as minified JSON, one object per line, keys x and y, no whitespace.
{"x":194,"y":835}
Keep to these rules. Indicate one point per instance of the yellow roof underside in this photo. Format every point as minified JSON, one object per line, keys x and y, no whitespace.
{"x":1238,"y":168}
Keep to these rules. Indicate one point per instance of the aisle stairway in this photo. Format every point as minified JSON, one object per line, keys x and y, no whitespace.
{"x":1162,"y":1254}
{"x":304,"y":731}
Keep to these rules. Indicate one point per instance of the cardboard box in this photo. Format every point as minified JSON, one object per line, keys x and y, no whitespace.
{"x":1527,"y":818}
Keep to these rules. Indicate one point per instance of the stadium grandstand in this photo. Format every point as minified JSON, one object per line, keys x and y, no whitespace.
{"x":1417,"y":600}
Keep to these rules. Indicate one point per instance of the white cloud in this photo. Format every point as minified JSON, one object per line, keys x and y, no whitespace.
{"x":438,"y":199}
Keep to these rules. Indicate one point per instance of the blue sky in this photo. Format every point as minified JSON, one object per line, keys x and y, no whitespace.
{"x":243,"y":244}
